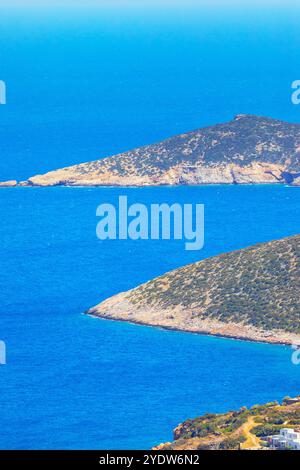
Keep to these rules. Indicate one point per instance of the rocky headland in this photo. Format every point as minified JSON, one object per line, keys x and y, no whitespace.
{"x":251,"y":294}
{"x":249,"y":149}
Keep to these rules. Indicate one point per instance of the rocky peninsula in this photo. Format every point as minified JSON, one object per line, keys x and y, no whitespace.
{"x":251,"y":294}
{"x":249,"y":149}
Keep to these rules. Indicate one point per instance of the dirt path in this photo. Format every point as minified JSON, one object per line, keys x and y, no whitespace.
{"x":252,"y":442}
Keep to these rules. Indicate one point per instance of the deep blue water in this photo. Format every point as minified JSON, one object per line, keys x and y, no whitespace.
{"x":82,"y":85}
{"x":72,"y":381}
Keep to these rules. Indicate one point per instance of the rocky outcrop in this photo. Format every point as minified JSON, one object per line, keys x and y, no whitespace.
{"x":251,"y":294}
{"x":8,"y":184}
{"x":246,"y":150}
{"x":244,"y":429}
{"x":296,"y":181}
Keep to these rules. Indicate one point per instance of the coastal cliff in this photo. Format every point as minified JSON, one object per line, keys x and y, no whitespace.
{"x":248,"y":149}
{"x":244,"y":429}
{"x":252,"y":294}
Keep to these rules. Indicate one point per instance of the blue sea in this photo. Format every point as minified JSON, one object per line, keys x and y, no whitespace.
{"x":73,"y":381}
{"x":81,"y":86}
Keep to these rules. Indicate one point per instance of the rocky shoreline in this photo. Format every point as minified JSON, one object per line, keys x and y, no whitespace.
{"x":235,"y":331}
{"x":8,"y":184}
{"x":247,"y":150}
{"x":244,"y":294}
{"x":198,"y":175}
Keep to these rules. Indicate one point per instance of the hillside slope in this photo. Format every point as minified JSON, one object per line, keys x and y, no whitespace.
{"x":248,"y":149}
{"x":242,"y":429}
{"x":252,"y":293}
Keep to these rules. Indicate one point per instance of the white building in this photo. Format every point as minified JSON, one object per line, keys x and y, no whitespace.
{"x":286,"y":439}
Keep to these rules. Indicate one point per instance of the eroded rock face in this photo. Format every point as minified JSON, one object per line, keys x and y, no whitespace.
{"x":248,"y":149}
{"x":181,"y":174}
{"x":256,"y":173}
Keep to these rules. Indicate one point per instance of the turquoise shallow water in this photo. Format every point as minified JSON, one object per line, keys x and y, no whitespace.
{"x":72,"y":381}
